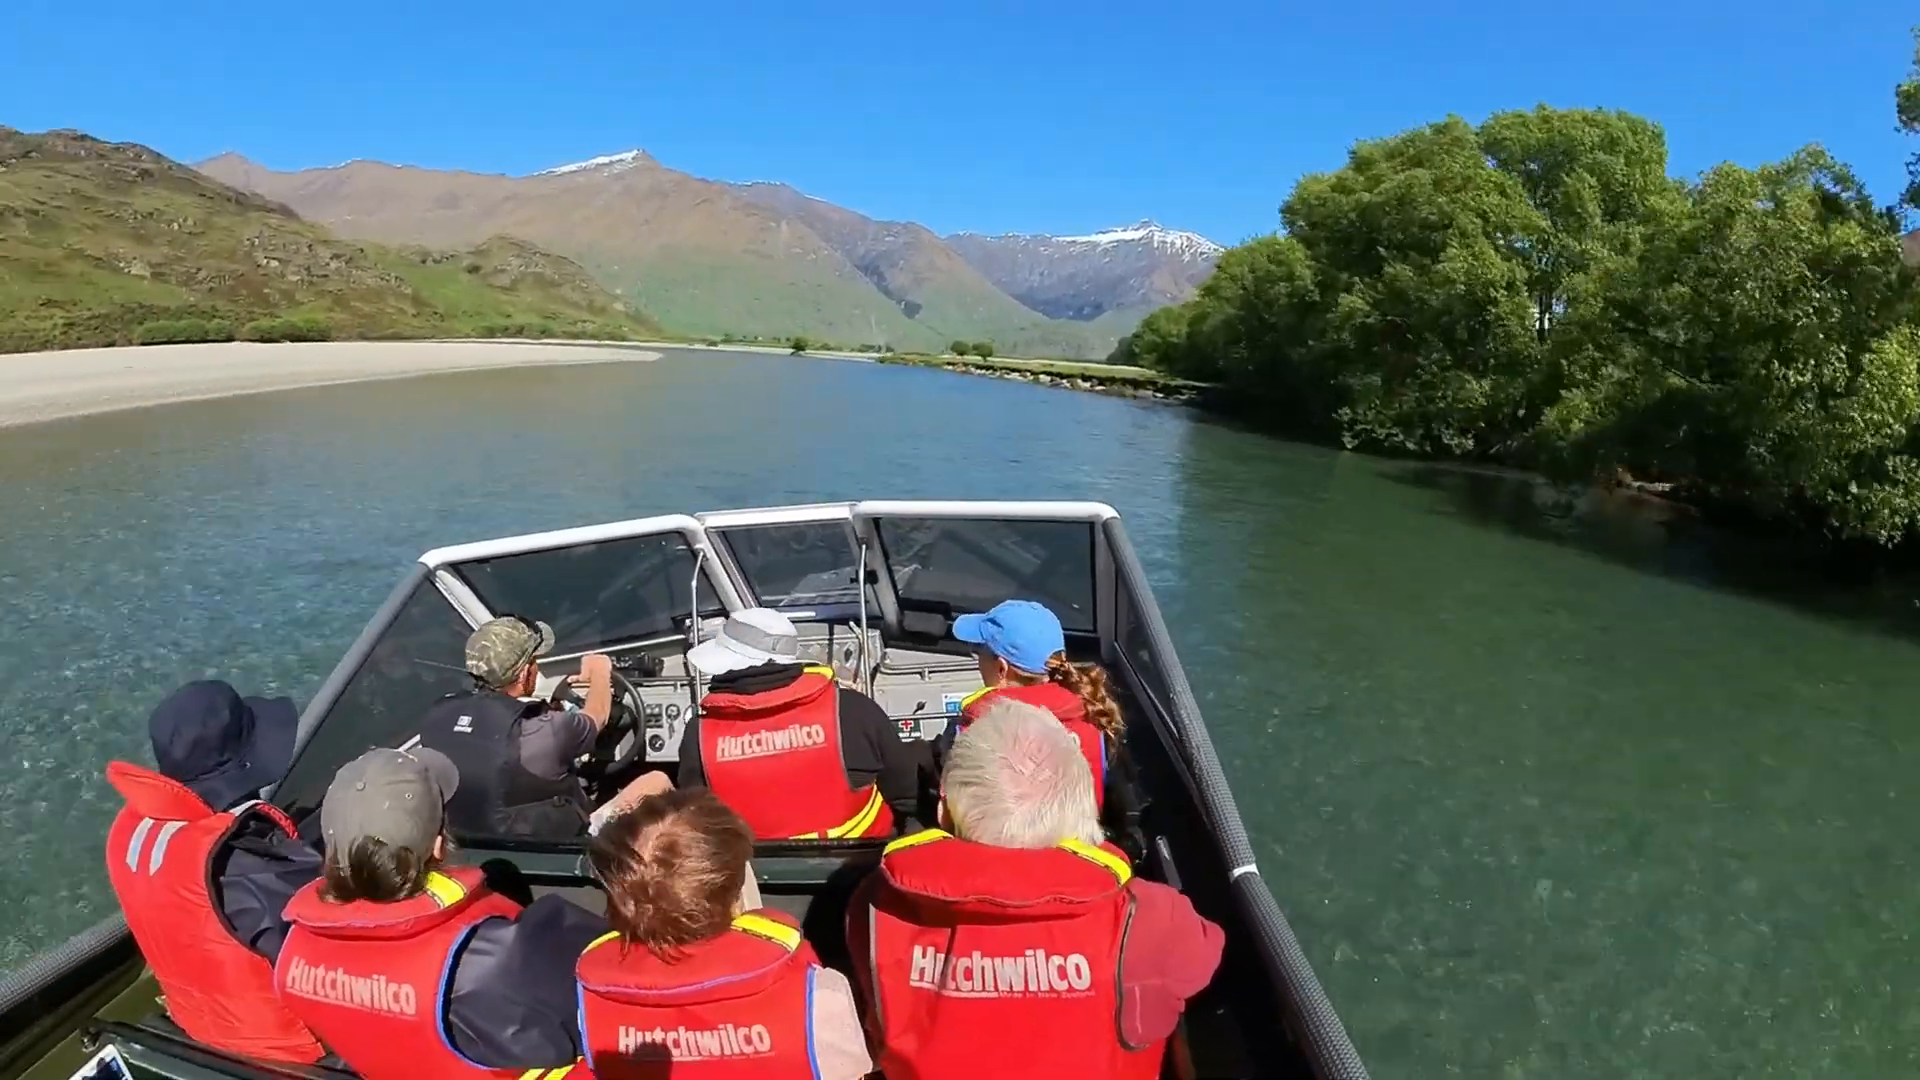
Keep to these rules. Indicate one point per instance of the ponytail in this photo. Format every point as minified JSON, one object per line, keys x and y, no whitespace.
{"x":1089,"y":684}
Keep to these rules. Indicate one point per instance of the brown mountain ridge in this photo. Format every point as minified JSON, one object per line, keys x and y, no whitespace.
{"x":706,"y":258}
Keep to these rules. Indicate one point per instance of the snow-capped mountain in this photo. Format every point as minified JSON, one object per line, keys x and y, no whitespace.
{"x":609,"y":163}
{"x":1187,"y":245}
{"x":1131,"y":269}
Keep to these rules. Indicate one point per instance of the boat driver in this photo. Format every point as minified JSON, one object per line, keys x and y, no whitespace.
{"x":516,"y":753}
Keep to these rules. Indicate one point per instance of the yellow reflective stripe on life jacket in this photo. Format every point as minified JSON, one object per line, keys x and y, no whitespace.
{"x":772,"y":929}
{"x":855,"y":825}
{"x":924,"y":836}
{"x":977,"y":695}
{"x":611,"y":935}
{"x":815,"y":669}
{"x":445,"y":890}
{"x":1114,"y":864}
{"x":547,"y":1074}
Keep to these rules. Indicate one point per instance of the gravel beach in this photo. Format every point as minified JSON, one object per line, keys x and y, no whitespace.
{"x":74,"y":382}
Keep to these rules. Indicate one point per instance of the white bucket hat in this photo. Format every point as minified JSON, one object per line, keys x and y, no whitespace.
{"x":747,"y":639}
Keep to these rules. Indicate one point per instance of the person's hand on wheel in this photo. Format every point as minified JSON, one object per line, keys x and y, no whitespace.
{"x":596,"y":669}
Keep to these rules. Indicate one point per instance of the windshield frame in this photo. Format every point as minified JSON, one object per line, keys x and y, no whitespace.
{"x":446,"y":565}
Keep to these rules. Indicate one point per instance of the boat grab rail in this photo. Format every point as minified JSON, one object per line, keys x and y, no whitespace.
{"x":40,"y":972}
{"x":1322,"y":1034}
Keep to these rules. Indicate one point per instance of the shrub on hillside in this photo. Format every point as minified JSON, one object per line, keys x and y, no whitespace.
{"x":530,"y":328}
{"x":299,"y":328}
{"x":181,"y":331}
{"x":800,"y":344}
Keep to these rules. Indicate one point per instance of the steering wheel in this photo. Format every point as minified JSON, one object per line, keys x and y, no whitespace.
{"x":623,"y":726}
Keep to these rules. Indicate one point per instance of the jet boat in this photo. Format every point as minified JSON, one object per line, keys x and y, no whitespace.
{"x":874,"y":588}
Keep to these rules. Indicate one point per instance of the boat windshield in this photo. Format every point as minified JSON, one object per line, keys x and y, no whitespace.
{"x":420,"y":657}
{"x":805,"y":564}
{"x":595,"y":595}
{"x":956,"y":565}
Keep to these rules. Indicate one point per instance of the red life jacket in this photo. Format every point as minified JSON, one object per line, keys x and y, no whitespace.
{"x":774,"y":757}
{"x":740,"y":1005}
{"x":160,"y":860}
{"x":371,"y":979}
{"x":1062,"y":703}
{"x":999,"y":962}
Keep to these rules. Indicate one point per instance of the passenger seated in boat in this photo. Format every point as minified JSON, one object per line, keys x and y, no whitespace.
{"x":202,"y":868}
{"x":406,"y":967}
{"x":516,"y":753}
{"x":1016,"y":943}
{"x":1022,"y":652}
{"x":690,"y":975}
{"x":793,"y":752}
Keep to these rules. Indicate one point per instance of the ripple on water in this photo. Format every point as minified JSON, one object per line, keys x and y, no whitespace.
{"x":1545,"y":794}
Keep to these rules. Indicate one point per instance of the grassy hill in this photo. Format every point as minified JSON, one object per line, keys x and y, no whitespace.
{"x":111,"y":243}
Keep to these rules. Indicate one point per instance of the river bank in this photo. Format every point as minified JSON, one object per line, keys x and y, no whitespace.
{"x":1111,"y":379}
{"x":76,"y":382}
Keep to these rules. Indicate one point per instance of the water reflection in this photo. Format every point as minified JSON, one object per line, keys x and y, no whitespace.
{"x":1540,"y":813}
{"x":1852,"y":583}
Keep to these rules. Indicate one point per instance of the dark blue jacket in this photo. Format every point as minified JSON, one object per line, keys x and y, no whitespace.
{"x":254,"y":875}
{"x":514,"y":1003}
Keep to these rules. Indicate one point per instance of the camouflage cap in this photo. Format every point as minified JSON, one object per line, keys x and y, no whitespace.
{"x":501,"y":647}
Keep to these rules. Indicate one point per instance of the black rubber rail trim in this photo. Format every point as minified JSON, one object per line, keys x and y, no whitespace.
{"x":1322,"y":1036}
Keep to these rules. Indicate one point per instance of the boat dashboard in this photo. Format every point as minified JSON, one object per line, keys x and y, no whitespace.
{"x":920,"y":689}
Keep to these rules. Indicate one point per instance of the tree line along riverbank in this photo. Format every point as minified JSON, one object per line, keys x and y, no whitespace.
{"x":1536,"y":291}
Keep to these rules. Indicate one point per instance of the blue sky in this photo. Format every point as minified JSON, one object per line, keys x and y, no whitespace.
{"x":988,"y":115}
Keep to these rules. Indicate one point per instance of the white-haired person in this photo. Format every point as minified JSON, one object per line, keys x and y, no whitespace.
{"x":1013,"y":942}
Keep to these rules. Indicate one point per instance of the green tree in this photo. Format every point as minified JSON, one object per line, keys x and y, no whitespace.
{"x":1758,"y":350}
{"x":800,"y":344}
{"x":1424,"y":305}
{"x":959,"y":348}
{"x":983,"y":349}
{"x":1539,"y":291}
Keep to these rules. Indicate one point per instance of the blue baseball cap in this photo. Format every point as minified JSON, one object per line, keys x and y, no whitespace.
{"x":1021,"y":632}
{"x":223,"y":746}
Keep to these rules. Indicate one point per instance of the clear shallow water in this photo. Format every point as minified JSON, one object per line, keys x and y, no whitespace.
{"x":1544,"y":794}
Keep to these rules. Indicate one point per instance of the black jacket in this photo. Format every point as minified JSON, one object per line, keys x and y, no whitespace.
{"x":513,"y":1003}
{"x":870,"y":744}
{"x":255,"y":873}
{"x":480,"y":731}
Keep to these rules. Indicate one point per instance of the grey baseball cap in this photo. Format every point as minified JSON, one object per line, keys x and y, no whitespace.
{"x":501,"y":647}
{"x":396,"y":796}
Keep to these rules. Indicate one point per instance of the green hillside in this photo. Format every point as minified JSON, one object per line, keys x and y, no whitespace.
{"x":701,"y":294}
{"x":111,"y":243}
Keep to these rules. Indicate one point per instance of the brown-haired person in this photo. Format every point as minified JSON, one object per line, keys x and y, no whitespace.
{"x":406,"y":967}
{"x":687,"y":976}
{"x":1022,"y":651}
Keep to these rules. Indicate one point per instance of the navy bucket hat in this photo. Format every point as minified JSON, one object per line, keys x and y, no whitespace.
{"x":223,"y":746}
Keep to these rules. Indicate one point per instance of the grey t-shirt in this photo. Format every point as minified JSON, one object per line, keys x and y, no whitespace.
{"x":551,"y":741}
